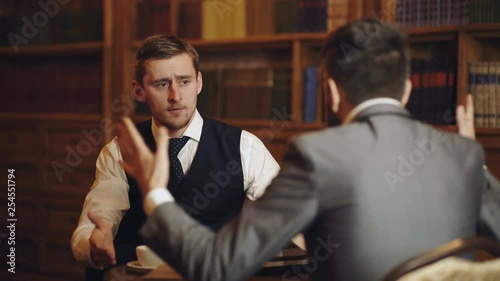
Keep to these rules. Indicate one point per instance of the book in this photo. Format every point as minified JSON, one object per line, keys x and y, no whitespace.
{"x":222,"y":19}
{"x":286,"y":16}
{"x":189,"y":19}
{"x":260,"y":16}
{"x":281,"y":93}
{"x":248,"y":93}
{"x":310,"y":94}
{"x":160,"y":17}
{"x":491,"y":92}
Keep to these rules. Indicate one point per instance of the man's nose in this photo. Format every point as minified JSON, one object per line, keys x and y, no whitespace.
{"x":173,"y":93}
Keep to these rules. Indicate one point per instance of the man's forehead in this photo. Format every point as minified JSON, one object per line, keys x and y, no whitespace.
{"x":169,"y":67}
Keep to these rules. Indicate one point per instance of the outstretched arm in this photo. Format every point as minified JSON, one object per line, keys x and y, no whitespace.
{"x":489,"y":222}
{"x":241,"y":246}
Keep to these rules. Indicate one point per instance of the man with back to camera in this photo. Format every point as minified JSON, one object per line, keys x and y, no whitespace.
{"x":222,"y":164}
{"x":368,"y":195}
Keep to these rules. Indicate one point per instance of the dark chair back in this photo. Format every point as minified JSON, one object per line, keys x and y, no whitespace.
{"x":455,"y":247}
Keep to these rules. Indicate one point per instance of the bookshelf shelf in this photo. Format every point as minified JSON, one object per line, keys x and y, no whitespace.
{"x":73,"y":49}
{"x":51,"y":116}
{"x":487,"y":131}
{"x":449,"y":32}
{"x":273,"y":123}
{"x":287,"y":125}
{"x":432,"y":34}
{"x":259,"y":41}
{"x":485,"y":30}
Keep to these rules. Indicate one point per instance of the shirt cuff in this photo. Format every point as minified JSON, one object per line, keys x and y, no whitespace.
{"x":155,"y":198}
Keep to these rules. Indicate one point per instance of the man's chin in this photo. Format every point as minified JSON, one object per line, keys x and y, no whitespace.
{"x":172,"y":123}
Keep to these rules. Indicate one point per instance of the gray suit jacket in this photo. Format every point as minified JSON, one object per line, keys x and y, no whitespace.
{"x":367,"y":196}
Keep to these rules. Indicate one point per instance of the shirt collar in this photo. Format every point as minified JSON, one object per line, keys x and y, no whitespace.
{"x":364,"y":105}
{"x":193,"y":130}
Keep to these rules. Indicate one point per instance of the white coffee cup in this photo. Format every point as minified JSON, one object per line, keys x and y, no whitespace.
{"x":147,"y":257}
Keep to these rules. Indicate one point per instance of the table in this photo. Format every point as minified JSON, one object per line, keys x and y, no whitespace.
{"x":121,"y":273}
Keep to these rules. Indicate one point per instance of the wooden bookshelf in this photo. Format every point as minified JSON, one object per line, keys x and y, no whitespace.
{"x":33,"y":138}
{"x":51,"y":116}
{"x":488,"y":131}
{"x":55,"y":49}
{"x":32,"y":141}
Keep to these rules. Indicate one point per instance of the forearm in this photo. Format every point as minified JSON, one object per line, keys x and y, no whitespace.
{"x":241,"y":246}
{"x":80,"y":244}
{"x":490,"y":209}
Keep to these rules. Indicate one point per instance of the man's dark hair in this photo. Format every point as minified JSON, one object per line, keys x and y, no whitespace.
{"x":368,"y":59}
{"x":162,"y":47}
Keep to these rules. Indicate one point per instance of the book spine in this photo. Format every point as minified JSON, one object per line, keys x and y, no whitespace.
{"x":310,"y":94}
{"x":491,"y":92}
{"x":497,"y":93}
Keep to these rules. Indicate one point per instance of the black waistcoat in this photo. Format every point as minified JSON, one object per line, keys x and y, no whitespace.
{"x":212,"y":191}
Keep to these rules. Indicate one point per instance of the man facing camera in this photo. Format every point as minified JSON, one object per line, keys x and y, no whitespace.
{"x":368,"y":195}
{"x":214,"y":167}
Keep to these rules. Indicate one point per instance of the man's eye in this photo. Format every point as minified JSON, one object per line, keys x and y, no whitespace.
{"x":163,"y":84}
{"x":185,"y":82}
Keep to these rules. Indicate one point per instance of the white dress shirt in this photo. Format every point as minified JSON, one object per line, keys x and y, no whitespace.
{"x":108,"y":195}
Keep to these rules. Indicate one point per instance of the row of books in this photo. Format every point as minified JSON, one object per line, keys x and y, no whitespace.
{"x":257,"y":94}
{"x":484,"y":85}
{"x":420,"y":13}
{"x":484,"y":11}
{"x":48,"y":22}
{"x":52,"y":85}
{"x":154,"y":17}
{"x":215,"y":19}
{"x":433,"y":95}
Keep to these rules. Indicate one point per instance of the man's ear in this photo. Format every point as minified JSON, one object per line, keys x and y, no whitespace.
{"x":138,"y":91}
{"x":406,"y":94}
{"x":333,"y":96}
{"x":199,"y":82}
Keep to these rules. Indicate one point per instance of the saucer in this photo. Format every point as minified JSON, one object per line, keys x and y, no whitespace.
{"x":135,"y":266}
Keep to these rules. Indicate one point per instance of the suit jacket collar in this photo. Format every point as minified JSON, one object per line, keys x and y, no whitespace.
{"x":382,"y":109}
{"x":366,"y":104}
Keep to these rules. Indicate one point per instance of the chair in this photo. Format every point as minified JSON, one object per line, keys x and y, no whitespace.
{"x":450,"y":249}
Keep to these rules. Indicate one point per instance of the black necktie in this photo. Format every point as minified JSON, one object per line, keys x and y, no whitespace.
{"x":175,"y":165}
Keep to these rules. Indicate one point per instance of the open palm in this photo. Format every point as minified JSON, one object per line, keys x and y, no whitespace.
{"x":150,"y":170}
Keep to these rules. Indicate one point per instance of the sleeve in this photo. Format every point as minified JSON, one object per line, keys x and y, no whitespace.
{"x":108,"y":197}
{"x":489,"y":222}
{"x":259,"y":166}
{"x":241,"y":246}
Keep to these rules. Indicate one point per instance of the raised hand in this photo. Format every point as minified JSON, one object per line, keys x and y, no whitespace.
{"x":465,"y":118}
{"x":150,"y":170}
{"x":102,"y":250}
